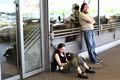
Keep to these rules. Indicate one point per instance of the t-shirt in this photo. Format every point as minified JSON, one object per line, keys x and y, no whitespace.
{"x":62,"y":58}
{"x":85,"y":25}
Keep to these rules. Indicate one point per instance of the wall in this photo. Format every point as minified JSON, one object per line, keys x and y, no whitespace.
{"x":103,"y":42}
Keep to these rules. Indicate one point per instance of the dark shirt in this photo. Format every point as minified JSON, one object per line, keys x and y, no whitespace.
{"x":62,"y":58}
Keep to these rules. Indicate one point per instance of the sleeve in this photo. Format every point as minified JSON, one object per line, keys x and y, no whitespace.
{"x":83,"y":16}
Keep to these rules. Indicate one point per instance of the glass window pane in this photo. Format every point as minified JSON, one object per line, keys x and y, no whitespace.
{"x":64,"y":17}
{"x":32,"y":41}
{"x":109,"y":12}
{"x":59,"y":14}
{"x":8,"y":53}
{"x":93,"y":9}
{"x":58,"y":8}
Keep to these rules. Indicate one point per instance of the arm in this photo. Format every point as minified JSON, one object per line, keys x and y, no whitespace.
{"x":58,"y":60}
{"x":92,"y":20}
{"x":87,"y":19}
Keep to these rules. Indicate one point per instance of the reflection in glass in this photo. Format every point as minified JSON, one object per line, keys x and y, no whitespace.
{"x":109,"y":13}
{"x":63,"y":11}
{"x":61,"y":16}
{"x":8,"y":54}
{"x":93,"y":9}
{"x":31,"y":19}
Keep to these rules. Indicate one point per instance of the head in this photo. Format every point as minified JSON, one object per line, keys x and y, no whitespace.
{"x":75,"y":8}
{"x":61,"y":47}
{"x":84,"y":8}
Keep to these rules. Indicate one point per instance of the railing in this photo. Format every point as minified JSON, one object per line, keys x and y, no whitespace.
{"x":110,"y":26}
{"x":76,"y":31}
{"x":66,"y":32}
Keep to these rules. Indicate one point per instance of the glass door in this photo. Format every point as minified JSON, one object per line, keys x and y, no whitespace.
{"x":32,"y":39}
{"x":21,"y":41}
{"x":32,"y":47}
{"x":8,"y":51}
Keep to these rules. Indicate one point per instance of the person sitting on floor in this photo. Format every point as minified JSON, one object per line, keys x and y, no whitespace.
{"x":74,"y":63}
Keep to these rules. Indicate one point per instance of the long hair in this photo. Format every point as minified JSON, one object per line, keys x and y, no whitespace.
{"x":82,"y":6}
{"x":54,"y":63}
{"x":59,"y":46}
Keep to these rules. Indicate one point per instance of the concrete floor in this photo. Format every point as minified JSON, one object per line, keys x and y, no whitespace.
{"x":8,"y":69}
{"x":108,"y":70}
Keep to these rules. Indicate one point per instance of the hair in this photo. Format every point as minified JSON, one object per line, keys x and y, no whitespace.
{"x":82,"y":6}
{"x":59,"y":46}
{"x":75,"y":7}
{"x":54,"y":63}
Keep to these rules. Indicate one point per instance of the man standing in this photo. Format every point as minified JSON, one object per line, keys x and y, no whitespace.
{"x":87,"y":26}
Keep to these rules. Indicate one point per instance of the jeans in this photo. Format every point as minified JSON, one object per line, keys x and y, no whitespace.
{"x":89,"y":37}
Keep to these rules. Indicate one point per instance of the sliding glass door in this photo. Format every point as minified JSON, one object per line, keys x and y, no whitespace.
{"x":21,"y":46}
{"x":31,"y":47}
{"x":32,"y":35}
{"x":8,"y":50}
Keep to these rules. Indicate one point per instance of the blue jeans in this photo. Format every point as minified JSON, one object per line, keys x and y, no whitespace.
{"x":89,"y":37}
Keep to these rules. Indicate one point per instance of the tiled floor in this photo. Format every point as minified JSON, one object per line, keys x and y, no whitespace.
{"x":108,"y":70}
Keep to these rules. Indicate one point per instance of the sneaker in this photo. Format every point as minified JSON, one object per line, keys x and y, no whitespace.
{"x":90,"y":70}
{"x":97,"y":62}
{"x":100,"y":60}
{"x":83,"y":75}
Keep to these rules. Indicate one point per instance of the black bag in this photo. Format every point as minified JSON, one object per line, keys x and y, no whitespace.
{"x":70,"y":56}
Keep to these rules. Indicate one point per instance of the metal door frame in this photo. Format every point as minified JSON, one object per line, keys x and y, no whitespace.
{"x":44,"y":23}
{"x":16,"y":76}
{"x":0,"y":71}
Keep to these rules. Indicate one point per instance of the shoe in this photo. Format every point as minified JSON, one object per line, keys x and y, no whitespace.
{"x":90,"y":70}
{"x":100,"y":60}
{"x":97,"y":62}
{"x":83,"y":75}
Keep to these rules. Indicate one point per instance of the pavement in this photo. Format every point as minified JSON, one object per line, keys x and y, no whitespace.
{"x":108,"y":70}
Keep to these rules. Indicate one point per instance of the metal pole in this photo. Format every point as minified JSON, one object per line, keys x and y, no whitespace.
{"x":17,"y":24}
{"x":20,"y":40}
{"x":45,"y":33}
{"x":0,"y":71}
{"x":98,"y":12}
{"x":98,"y":19}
